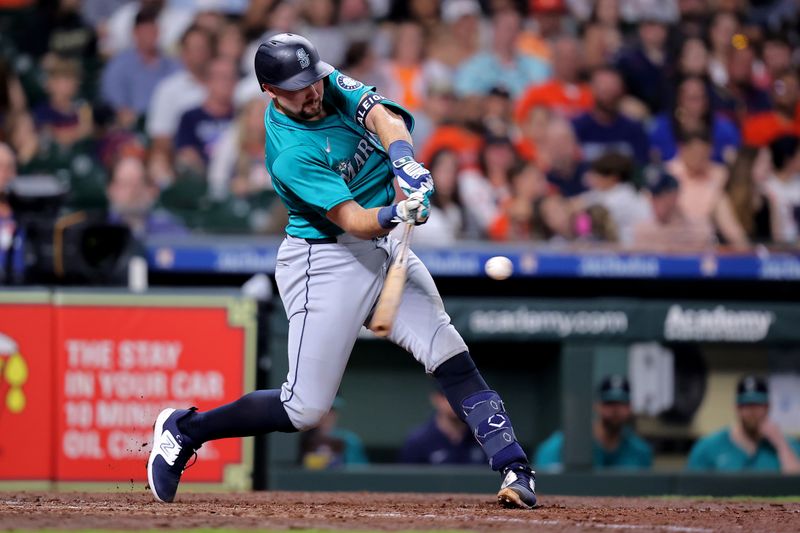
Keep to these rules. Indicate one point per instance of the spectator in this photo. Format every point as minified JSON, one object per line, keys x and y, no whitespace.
{"x":462,"y":33}
{"x":131,"y":198}
{"x":702,"y":196}
{"x":443,"y":439}
{"x":484,"y":190}
{"x":63,"y":115}
{"x":237,"y":165}
{"x":130,"y":78}
{"x":321,"y":27}
{"x":668,"y":230}
{"x":604,"y":128}
{"x":693,"y":58}
{"x":438,"y":108}
{"x":12,"y":98}
{"x":230,"y":45}
{"x":614,"y":443}
{"x":533,"y":131}
{"x":746,"y":190}
{"x":740,"y":97}
{"x":783,"y":189}
{"x":520,"y":219}
{"x":692,"y":111}
{"x":361,"y":63}
{"x":328,"y":445}
{"x":446,"y":225}
{"x":609,"y":180}
{"x":600,"y":44}
{"x":724,"y":25}
{"x":176,"y":94}
{"x":496,"y":111}
{"x":752,"y":443}
{"x":200,"y":129}
{"x":561,"y":159}
{"x":760,"y":129}
{"x":644,"y":66}
{"x":9,"y":270}
{"x":503,"y":66}
{"x":171,"y":17}
{"x":402,"y":72}
{"x":776,"y":53}
{"x":564,"y":94}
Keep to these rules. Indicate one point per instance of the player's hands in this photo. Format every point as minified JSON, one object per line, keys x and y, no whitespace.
{"x":413,"y":210}
{"x":770,"y":431}
{"x":412,"y":176}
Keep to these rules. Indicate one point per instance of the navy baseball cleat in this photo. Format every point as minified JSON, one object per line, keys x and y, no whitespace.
{"x":518,"y":488}
{"x":171,"y":451}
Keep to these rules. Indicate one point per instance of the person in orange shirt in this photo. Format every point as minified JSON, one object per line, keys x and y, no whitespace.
{"x":403,"y":72}
{"x":563,"y":94}
{"x":762,"y":128}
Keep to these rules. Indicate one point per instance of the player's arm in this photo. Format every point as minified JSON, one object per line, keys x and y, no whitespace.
{"x":393,"y":133}
{"x":378,"y":221}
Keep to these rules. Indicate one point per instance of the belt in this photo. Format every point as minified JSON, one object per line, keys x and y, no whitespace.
{"x":323,"y":240}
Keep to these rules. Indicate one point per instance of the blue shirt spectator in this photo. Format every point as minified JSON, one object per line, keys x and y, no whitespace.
{"x":603,"y":128}
{"x":643,"y":67}
{"x":571,"y":184}
{"x":200,"y":130}
{"x":131,"y":76}
{"x":724,"y":136}
{"x":621,"y":135}
{"x":443,"y":439}
{"x":427,"y":444}
{"x":503,"y":66}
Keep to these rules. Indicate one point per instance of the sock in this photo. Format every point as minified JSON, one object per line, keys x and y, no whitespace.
{"x":482,"y":410}
{"x":256,"y":413}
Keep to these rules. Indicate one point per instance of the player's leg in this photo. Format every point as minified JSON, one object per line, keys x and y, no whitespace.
{"x":423,"y":328}
{"x":323,"y":288}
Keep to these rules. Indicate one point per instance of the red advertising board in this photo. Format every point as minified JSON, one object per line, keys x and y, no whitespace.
{"x":117,"y":366}
{"x":26,"y":390}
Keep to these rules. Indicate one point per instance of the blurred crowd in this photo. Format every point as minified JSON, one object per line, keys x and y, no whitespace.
{"x":649,"y":124}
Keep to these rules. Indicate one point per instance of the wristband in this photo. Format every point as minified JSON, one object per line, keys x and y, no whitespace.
{"x":386,"y":216}
{"x":400,"y":149}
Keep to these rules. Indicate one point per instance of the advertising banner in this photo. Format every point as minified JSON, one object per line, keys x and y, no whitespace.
{"x":624,"y":320}
{"x":26,"y":387}
{"x":119,"y":360}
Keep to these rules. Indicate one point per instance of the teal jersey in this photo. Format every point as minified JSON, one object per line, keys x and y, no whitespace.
{"x":718,"y":452}
{"x":316,"y":165}
{"x":632,"y":453}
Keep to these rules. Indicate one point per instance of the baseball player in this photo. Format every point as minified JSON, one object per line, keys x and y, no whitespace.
{"x":333,"y":149}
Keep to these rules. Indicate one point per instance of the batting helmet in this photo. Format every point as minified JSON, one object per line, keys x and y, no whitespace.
{"x":290,"y":62}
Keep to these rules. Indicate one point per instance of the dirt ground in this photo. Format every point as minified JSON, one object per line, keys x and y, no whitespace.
{"x":388,"y":512}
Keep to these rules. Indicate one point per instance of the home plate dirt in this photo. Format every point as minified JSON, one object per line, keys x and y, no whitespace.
{"x":385,"y":512}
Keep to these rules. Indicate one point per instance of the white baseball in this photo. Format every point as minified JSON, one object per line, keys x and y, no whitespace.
{"x":499,"y":267}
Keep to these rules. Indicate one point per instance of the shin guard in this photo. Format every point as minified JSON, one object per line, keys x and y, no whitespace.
{"x":486,"y":417}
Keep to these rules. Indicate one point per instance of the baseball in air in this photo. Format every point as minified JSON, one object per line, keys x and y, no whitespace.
{"x":499,"y":267}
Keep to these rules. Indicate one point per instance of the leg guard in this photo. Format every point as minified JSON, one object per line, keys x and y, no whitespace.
{"x":486,"y":417}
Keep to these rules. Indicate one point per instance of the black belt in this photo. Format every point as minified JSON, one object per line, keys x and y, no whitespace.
{"x":323,"y":240}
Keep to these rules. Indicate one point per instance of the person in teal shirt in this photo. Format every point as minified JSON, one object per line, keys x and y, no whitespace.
{"x":752,"y":443}
{"x":615,"y":444}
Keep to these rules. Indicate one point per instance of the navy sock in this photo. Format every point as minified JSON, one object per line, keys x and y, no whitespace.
{"x":472,"y":400}
{"x":256,"y":413}
{"x":458,"y":377}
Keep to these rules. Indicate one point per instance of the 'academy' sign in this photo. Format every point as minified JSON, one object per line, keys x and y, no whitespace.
{"x":718,"y":324}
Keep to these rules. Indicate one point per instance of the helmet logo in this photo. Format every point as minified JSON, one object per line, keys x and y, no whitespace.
{"x":303,"y":58}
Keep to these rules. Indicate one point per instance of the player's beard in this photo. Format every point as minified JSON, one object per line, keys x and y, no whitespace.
{"x":311,"y":109}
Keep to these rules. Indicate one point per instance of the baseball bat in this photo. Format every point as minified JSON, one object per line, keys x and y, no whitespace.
{"x":392,"y":293}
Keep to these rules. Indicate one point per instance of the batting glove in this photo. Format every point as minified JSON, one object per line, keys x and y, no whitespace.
{"x":411,"y":175}
{"x":415,"y":209}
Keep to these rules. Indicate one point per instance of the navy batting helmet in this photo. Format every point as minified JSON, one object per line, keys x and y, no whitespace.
{"x":290,"y":62}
